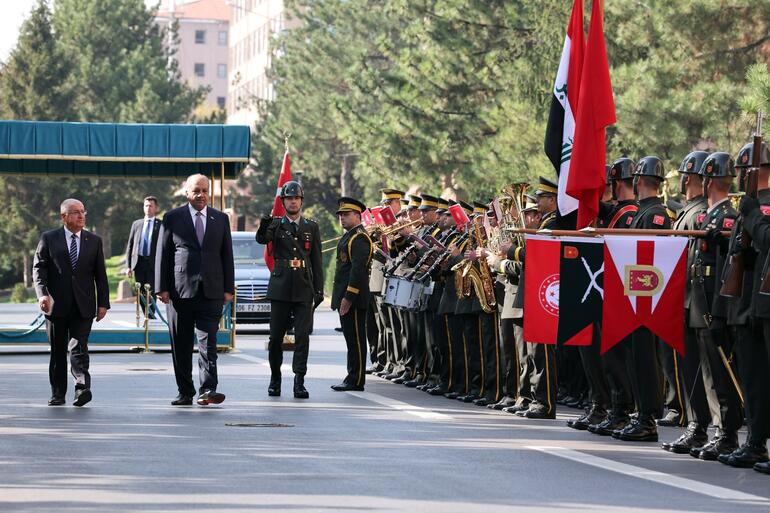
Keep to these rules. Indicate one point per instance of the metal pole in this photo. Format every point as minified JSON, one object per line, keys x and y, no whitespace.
{"x":213,"y":194}
{"x":222,"y":185}
{"x":146,"y":318}
{"x":232,"y":320}
{"x":138,"y":291}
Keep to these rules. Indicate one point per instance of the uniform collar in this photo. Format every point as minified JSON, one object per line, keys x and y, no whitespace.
{"x":717,"y":205}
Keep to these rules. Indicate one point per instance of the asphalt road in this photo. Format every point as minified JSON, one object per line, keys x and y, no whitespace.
{"x":386,"y":449}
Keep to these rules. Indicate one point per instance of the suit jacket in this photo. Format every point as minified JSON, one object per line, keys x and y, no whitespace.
{"x":298,"y":284}
{"x":182,"y":265}
{"x":135,"y":242}
{"x":351,"y":276}
{"x":85,"y":288}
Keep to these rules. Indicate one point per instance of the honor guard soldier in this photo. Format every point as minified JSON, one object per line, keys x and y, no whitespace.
{"x":295,"y":287}
{"x":350,"y":296}
{"x":751,"y":345}
{"x":708,"y":309}
{"x":686,"y":368}
{"x":645,"y":371}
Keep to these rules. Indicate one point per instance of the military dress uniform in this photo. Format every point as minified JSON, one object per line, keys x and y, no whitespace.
{"x":296,"y":281}
{"x":351,"y":282}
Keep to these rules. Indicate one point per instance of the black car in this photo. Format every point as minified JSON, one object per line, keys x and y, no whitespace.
{"x":251,"y":277}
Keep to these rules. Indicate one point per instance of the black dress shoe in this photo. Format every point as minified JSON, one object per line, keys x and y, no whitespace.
{"x":414,"y":383}
{"x":300,"y":392}
{"x":505,"y":402}
{"x":468,"y":398}
{"x":56,"y":401}
{"x":344,"y":387}
{"x":210,"y":397}
{"x":274,"y":388}
{"x":439,"y":390}
{"x":517,"y":407}
{"x":642,"y":429}
{"x":615,"y":422}
{"x":762,"y":467}
{"x":452,"y":395}
{"x":393,"y":375}
{"x":693,"y":437}
{"x":672,"y":418}
{"x":746,"y":456}
{"x":595,"y":415}
{"x":338,"y":329}
{"x":576,"y":402}
{"x":369,"y":370}
{"x":481,"y":401}
{"x":536,"y":413}
{"x":403,"y":378}
{"x":82,"y":397}
{"x":182,"y":400}
{"x":722,"y":443}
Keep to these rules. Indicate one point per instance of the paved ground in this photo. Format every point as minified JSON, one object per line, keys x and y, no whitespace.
{"x":386,"y":449}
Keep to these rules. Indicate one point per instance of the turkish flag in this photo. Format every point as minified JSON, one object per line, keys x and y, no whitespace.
{"x":541,"y":293}
{"x":595,"y":112}
{"x":644,"y":281}
{"x":278,"y":210}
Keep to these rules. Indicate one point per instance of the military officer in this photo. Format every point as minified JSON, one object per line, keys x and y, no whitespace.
{"x":296,"y":283}
{"x":686,"y":369}
{"x":350,"y":296}
{"x":751,"y":345}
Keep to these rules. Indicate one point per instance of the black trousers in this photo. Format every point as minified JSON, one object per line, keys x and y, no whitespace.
{"x":144,"y":273}
{"x":510,"y":358}
{"x":397,"y":342}
{"x":722,"y":397}
{"x":754,"y":373}
{"x":413,"y":348}
{"x":646,"y":374}
{"x":459,"y":381}
{"x":188,"y":320}
{"x":526,"y":355}
{"x":382,"y":316}
{"x":68,"y":334}
{"x":591,"y":360}
{"x":428,"y":327}
{"x":693,"y":392}
{"x":372,"y":330}
{"x":544,"y":377}
{"x":353,"y":326}
{"x":673,"y":397}
{"x":442,"y":355}
{"x":281,"y":314}
{"x":472,"y":336}
{"x":491,"y":358}
{"x":615,"y":363}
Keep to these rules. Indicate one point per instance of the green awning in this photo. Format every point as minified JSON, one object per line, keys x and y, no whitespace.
{"x":122,"y":150}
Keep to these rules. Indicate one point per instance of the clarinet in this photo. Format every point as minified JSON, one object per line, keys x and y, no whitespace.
{"x":442,"y":257}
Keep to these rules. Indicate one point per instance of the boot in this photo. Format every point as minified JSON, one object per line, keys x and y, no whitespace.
{"x":642,"y":429}
{"x":747,"y":455}
{"x":693,"y":438}
{"x":274,"y":388}
{"x":300,"y":392}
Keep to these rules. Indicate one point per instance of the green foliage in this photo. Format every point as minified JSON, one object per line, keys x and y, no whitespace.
{"x":19,"y":294}
{"x":757,"y":97}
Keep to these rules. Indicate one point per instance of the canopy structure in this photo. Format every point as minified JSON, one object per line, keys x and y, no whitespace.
{"x":122,"y":150}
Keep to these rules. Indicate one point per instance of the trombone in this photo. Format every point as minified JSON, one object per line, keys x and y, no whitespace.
{"x":376,"y":231}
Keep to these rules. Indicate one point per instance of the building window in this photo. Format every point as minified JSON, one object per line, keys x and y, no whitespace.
{"x":221,"y":102}
{"x":222,"y":70}
{"x":200,"y":37}
{"x":200,"y":69}
{"x":222,"y":38}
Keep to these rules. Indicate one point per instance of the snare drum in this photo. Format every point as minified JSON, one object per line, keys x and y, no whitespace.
{"x":402,"y":293}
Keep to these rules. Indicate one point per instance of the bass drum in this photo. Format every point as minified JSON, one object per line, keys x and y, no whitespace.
{"x":403,"y":293}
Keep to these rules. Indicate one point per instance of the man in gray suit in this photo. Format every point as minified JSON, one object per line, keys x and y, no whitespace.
{"x":71,"y":285}
{"x":195,"y":275}
{"x":140,"y":250}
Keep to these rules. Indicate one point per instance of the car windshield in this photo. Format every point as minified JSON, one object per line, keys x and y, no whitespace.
{"x":248,"y":251}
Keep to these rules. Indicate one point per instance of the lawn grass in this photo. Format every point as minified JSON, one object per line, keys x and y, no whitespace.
{"x":115,"y":266}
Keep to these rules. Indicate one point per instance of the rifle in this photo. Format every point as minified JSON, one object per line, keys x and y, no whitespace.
{"x":732,"y":278}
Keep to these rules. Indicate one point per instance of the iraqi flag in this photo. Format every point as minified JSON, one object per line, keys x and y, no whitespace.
{"x":595,"y":112}
{"x":581,"y":292}
{"x":644,"y":281}
{"x":559,"y":133}
{"x":278,"y":210}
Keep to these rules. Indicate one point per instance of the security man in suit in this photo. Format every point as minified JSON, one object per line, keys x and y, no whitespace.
{"x":140,"y":250}
{"x":708,"y":309}
{"x":195,"y":276}
{"x":71,"y":285}
{"x":295,"y":287}
{"x":686,"y":372}
{"x":350,"y":296}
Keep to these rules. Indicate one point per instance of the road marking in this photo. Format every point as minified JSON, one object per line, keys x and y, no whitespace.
{"x":411,"y":409}
{"x":125,"y":324}
{"x":250,"y":358}
{"x":690,"y":485}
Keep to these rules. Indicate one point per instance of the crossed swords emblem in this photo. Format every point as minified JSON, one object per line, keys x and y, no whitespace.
{"x":592,"y":276}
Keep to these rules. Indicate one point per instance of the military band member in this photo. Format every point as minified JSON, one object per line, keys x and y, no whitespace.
{"x":752,"y":350}
{"x":687,"y":367}
{"x":296,"y":283}
{"x":708,"y":309}
{"x":350,"y":296}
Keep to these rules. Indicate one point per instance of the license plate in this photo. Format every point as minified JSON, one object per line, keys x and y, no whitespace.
{"x":254,"y":307}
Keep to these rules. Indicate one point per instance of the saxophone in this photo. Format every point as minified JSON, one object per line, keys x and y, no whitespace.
{"x":468,"y":278}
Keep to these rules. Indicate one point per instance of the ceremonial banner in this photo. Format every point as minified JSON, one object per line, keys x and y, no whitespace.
{"x":459,"y":215}
{"x":278,"y":210}
{"x":595,"y":111}
{"x":644,"y":281}
{"x":541,"y":291}
{"x":581,"y":293}
{"x":559,"y":133}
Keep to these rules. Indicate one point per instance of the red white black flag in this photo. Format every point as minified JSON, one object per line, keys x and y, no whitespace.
{"x":541,"y":291}
{"x":644,"y":280}
{"x":559,"y":133}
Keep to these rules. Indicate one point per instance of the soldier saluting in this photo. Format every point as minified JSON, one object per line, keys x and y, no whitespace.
{"x":296,"y":283}
{"x":350,"y":295}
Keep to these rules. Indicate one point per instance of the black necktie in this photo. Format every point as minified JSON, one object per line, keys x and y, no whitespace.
{"x":74,"y":251}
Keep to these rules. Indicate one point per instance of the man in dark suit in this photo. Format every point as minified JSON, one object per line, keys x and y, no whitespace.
{"x":350,"y":295}
{"x":194,"y":275}
{"x":71,"y":285}
{"x":140,"y":250}
{"x":296,"y":283}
